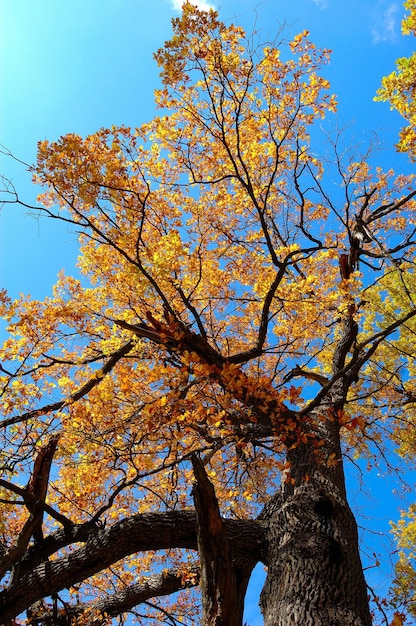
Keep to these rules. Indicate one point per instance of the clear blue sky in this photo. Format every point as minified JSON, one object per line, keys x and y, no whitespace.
{"x":78,"y":65}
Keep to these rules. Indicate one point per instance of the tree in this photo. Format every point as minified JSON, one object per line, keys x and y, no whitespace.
{"x":398,"y":88}
{"x":184,"y":406}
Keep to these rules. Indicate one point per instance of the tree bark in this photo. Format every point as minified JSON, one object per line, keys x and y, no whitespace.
{"x":315,"y":575}
{"x":222,"y":585}
{"x":123,"y":600}
{"x":105,"y":546}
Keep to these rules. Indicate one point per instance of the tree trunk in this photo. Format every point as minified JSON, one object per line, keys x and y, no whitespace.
{"x":315,"y":576}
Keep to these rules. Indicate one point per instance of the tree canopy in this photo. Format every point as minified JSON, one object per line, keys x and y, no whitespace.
{"x":240,"y":297}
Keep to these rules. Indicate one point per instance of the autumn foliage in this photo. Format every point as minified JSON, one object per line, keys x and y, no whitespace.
{"x":232,"y":305}
{"x":399,"y":87}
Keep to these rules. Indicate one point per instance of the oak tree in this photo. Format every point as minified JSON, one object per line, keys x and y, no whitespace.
{"x":180,"y":411}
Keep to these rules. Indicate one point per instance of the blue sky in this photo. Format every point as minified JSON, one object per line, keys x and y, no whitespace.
{"x":78,"y":65}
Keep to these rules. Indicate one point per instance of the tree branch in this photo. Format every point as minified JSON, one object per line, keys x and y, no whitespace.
{"x":105,"y":546}
{"x":77,"y":395}
{"x":127,"y":598}
{"x":220,"y":598}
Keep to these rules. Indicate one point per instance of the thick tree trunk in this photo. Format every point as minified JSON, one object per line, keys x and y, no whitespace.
{"x":315,"y":575}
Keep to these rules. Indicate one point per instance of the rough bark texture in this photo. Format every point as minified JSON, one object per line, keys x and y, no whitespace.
{"x":315,"y":575}
{"x":113,"y":605}
{"x":103,"y":547}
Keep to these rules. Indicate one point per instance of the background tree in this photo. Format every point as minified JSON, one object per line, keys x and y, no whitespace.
{"x":399,"y":87}
{"x":238,"y":328}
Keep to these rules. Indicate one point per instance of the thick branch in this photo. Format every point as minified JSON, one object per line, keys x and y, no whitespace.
{"x":34,"y":496}
{"x":359,"y":358}
{"x":104,"y":547}
{"x":129,"y":597}
{"x":220,"y":600}
{"x":177,"y":337}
